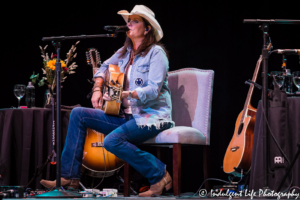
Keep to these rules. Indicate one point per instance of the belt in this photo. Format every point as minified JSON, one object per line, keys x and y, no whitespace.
{"x":128,"y":116}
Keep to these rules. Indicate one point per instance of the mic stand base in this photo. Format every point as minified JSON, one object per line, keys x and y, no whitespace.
{"x":59,"y":193}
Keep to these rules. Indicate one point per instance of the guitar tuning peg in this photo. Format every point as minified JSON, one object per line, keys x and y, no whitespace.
{"x":88,"y":60}
{"x":98,"y":60}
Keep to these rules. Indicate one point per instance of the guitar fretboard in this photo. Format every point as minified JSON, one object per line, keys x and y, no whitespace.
{"x":93,"y":58}
{"x":250,"y":92}
{"x":95,"y":69}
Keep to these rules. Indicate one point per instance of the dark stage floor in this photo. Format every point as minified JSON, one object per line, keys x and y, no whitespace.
{"x":132,"y":197}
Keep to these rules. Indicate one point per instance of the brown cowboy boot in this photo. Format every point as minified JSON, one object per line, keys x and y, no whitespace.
{"x":69,"y":183}
{"x":165,"y":182}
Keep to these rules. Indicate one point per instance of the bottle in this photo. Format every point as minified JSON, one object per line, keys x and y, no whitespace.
{"x":288,"y":82}
{"x":30,"y":96}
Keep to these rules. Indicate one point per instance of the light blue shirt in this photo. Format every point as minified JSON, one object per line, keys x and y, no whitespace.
{"x":149,"y":78}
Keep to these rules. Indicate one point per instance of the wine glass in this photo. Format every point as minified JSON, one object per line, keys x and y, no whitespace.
{"x":19,"y":91}
{"x":278,"y":78}
{"x":296,"y":79}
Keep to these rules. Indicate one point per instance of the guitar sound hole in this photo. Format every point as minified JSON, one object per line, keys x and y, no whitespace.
{"x":240,"y":128}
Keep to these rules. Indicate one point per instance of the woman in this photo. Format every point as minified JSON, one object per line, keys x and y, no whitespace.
{"x":146,"y":106}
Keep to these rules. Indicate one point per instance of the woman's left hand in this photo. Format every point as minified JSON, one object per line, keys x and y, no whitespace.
{"x":125,"y":94}
{"x":134,"y":95}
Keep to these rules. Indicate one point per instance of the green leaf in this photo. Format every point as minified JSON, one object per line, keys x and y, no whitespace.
{"x":41,"y":82}
{"x":33,"y":76}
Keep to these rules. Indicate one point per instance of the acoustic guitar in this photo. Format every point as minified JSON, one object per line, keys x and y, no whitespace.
{"x":97,"y":161}
{"x":239,"y":151}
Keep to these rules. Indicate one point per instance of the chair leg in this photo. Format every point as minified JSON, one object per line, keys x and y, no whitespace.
{"x":126,"y":179}
{"x":176,"y":169}
{"x":159,"y":154}
{"x":206,"y":166}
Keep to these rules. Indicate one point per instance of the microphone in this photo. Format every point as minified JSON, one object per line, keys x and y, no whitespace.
{"x":288,"y":51}
{"x":116,"y":28}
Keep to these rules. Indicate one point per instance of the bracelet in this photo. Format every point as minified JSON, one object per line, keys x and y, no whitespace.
{"x":97,"y":88}
{"x":96,"y":91}
{"x":97,"y":85}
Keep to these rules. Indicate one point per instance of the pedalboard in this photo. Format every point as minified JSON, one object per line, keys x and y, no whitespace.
{"x":22,"y":192}
{"x":13,"y":191}
{"x":226,"y":187}
{"x":90,"y":193}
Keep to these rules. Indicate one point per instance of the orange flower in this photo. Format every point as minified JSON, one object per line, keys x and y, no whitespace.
{"x":63,"y":64}
{"x":51,"y":64}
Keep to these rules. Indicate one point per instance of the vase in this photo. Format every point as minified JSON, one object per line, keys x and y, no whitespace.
{"x":47,"y":99}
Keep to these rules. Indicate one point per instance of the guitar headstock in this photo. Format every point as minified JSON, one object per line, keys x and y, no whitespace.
{"x":93,"y":57}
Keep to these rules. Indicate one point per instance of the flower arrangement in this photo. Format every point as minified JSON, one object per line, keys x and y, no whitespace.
{"x":49,"y":68}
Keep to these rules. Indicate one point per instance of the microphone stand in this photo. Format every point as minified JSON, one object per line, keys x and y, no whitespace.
{"x":59,"y":192}
{"x":264,"y":27}
{"x":52,"y":157}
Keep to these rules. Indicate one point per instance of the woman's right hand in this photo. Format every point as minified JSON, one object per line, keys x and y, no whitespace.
{"x":97,"y":99}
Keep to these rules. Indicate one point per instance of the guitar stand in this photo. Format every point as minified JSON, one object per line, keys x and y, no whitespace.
{"x":249,"y":82}
{"x":243,"y":181}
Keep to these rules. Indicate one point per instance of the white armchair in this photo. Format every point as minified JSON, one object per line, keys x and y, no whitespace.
{"x":191,"y":92}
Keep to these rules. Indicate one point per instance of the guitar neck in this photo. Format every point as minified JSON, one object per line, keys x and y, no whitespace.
{"x":250,"y":92}
{"x":95,"y":69}
{"x":93,"y":59}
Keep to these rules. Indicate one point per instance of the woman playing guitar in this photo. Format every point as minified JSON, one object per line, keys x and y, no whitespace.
{"x":146,"y":100}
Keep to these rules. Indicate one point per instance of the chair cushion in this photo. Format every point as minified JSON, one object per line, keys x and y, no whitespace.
{"x":179,"y":134}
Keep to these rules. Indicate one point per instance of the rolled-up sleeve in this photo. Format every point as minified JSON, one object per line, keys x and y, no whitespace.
{"x":158,"y":68}
{"x":102,"y":71}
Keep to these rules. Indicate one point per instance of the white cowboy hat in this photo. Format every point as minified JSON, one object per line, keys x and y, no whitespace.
{"x":146,"y":13}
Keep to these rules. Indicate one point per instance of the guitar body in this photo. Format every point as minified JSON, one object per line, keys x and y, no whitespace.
{"x":239,"y":151}
{"x":93,"y":156}
{"x":115,"y":91}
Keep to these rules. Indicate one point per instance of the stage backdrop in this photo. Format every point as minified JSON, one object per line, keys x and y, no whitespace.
{"x":199,"y":34}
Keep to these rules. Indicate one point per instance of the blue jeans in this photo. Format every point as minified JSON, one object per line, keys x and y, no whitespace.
{"x":122,"y":136}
